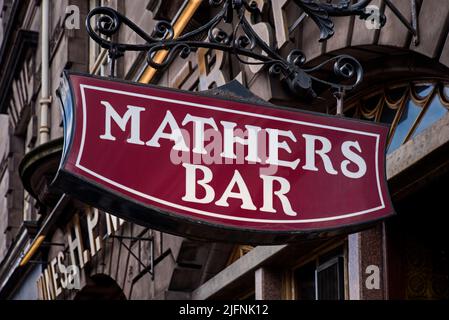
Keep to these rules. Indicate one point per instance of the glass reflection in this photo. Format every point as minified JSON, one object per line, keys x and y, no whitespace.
{"x":409,"y":116}
{"x":434,"y":113}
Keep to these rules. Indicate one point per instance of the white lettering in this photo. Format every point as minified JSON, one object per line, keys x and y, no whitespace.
{"x":55,"y":277}
{"x":242,"y":194}
{"x":62,"y":269}
{"x":352,"y":158}
{"x":112,"y":223}
{"x":275,"y":145}
{"x":311,"y":151}
{"x":175,"y":135}
{"x":133,"y":113}
{"x":75,"y":243}
{"x":94,"y":241}
{"x":72,"y":21}
{"x":281,"y":194}
{"x":199,"y":124}
{"x":191,"y":182}
{"x":372,"y":282}
{"x":229,"y":139}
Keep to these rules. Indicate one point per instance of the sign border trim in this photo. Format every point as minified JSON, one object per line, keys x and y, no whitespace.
{"x":210,"y":214}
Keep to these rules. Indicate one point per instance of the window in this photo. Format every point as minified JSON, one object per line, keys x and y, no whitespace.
{"x":322,"y":278}
{"x":329,"y":280}
{"x":410,"y":108}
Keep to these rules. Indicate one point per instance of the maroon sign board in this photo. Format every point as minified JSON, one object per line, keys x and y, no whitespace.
{"x":218,"y":169}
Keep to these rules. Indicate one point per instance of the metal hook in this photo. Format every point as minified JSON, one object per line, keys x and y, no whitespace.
{"x":340,"y":96}
{"x":112,"y":68}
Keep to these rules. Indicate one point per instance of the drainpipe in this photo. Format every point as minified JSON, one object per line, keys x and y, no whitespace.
{"x":44,"y":128}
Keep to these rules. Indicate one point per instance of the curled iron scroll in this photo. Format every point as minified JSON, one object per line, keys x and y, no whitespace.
{"x":104,"y":23}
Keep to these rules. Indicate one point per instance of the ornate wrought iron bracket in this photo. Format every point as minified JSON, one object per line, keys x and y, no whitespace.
{"x":243,"y":42}
{"x":413,"y":27}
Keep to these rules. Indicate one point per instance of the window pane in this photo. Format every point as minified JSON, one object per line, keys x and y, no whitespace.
{"x":388,"y":115}
{"x":435,"y":112}
{"x":396,"y":94}
{"x":330,"y":280}
{"x":409,"y":116}
{"x":423,"y":91}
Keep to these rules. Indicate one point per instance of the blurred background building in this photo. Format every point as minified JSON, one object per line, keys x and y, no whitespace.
{"x":406,"y":85}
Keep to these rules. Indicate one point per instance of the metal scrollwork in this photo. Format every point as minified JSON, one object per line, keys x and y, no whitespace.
{"x":241,"y":41}
{"x":321,"y":13}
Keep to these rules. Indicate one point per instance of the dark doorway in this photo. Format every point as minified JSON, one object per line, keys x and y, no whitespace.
{"x":102,"y":287}
{"x":418,"y":244}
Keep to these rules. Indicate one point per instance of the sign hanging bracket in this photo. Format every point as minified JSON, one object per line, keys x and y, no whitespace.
{"x":340,"y":96}
{"x":103,"y":23}
{"x":146,"y":269}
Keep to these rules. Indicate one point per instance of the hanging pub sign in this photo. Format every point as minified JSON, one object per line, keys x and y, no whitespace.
{"x":217,"y":169}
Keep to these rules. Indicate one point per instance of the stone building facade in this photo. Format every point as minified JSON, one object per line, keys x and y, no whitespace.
{"x":406,"y":84}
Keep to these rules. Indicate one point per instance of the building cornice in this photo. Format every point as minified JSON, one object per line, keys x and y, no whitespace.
{"x":38,"y":167}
